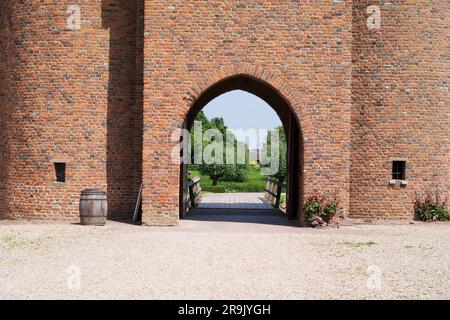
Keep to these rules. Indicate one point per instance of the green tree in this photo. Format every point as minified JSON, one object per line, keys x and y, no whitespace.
{"x":240,"y":170}
{"x":267,"y":147}
{"x":216,"y":171}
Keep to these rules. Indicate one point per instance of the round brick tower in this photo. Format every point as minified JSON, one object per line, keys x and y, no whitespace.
{"x":400,"y":107}
{"x":60,"y":106}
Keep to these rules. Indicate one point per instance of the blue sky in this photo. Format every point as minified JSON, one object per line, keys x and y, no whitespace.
{"x":243,"y":110}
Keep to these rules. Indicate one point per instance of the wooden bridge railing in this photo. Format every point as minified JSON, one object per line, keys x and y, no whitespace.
{"x":273,"y":191}
{"x":194,"y":197}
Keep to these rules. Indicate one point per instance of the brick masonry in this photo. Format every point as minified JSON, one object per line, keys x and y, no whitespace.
{"x":105,"y":99}
{"x":68,"y":96}
{"x":401,"y":106}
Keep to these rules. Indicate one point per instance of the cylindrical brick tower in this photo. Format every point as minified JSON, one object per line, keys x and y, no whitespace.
{"x":67,"y":101}
{"x":401,"y":107}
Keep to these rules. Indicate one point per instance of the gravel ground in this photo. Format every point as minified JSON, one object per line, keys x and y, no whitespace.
{"x":224,"y":260}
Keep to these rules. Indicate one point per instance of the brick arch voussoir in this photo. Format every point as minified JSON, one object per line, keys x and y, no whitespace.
{"x":259,"y":73}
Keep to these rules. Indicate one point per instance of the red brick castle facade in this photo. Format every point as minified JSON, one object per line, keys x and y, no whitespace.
{"x":96,"y":104}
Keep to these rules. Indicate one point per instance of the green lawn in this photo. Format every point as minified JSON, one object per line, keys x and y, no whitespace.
{"x":256,"y":183}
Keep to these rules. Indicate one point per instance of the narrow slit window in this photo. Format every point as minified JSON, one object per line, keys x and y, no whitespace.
{"x":399,"y":170}
{"x":60,"y":170}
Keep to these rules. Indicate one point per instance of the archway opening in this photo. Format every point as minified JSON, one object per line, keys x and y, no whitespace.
{"x":285,"y":122}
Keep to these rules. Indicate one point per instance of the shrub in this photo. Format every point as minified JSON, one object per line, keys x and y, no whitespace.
{"x":231,"y":187}
{"x":244,"y":187}
{"x":254,"y":165}
{"x":313,"y":207}
{"x":237,"y":173}
{"x":282,"y":149}
{"x":214,"y":189}
{"x":193,"y":167}
{"x":329,"y":211}
{"x":431,"y":208}
{"x":225,"y":172}
{"x":319,"y":210}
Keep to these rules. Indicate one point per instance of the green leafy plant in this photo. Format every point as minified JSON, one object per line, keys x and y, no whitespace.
{"x":431,"y":208}
{"x":313,"y":207}
{"x":237,"y":173}
{"x":254,"y":165}
{"x":219,"y":170}
{"x":213,"y":189}
{"x":320,"y":209}
{"x":214,"y":171}
{"x":329,"y":211}
{"x":282,"y":149}
{"x":244,"y":187}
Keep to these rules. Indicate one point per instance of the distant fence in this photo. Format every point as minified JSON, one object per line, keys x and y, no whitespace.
{"x":273,"y":191}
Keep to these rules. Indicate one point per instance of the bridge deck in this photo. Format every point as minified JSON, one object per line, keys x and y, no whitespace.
{"x":253,"y":201}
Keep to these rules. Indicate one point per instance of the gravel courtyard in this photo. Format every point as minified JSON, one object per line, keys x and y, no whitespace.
{"x":223,"y":260}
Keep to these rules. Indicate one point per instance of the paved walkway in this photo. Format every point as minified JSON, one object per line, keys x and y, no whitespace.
{"x":254,"y":201}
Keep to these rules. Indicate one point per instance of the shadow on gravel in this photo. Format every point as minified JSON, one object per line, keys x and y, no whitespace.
{"x":271,"y":217}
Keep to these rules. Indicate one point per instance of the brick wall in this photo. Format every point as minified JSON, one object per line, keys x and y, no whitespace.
{"x":401,"y":106}
{"x":105,"y":99}
{"x":302,"y":49}
{"x":124,"y":115}
{"x":66,"y":96}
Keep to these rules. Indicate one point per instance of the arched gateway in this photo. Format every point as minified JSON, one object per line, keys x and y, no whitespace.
{"x":289,"y":121}
{"x":262,"y":84}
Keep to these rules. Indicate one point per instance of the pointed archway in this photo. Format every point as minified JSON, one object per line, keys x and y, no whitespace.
{"x":290,"y":124}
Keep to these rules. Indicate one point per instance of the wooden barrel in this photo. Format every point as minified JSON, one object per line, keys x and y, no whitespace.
{"x":93,"y":207}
